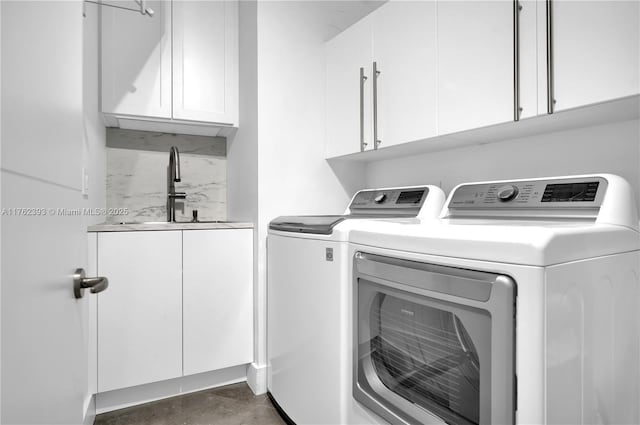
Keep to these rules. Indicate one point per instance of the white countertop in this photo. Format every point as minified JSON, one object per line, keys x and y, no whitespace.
{"x":161,"y":225}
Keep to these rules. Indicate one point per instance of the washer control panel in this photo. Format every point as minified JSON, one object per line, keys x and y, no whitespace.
{"x":553,"y":193}
{"x":406,"y":201}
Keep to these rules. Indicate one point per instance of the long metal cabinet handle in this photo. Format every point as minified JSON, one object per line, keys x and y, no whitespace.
{"x":80,"y":283}
{"x":550,"y":81}
{"x":516,"y":60}
{"x":376,"y":73}
{"x":363,"y":78}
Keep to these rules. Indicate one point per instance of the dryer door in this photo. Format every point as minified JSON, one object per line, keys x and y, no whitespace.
{"x":433,"y":344}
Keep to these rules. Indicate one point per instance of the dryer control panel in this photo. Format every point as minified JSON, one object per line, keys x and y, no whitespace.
{"x":582,"y":193}
{"x":404,"y":201}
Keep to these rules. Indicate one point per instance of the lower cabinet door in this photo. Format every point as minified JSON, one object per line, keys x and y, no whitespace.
{"x":218,"y":299}
{"x":140,"y":316}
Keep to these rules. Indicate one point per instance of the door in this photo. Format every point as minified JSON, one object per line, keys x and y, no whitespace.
{"x":475,"y":64}
{"x":348,"y":103}
{"x":404,"y":47}
{"x":44,"y":328}
{"x":433,"y":344}
{"x":205,"y":57}
{"x":596,"y":51}
{"x":140,"y":316}
{"x":136,"y":60}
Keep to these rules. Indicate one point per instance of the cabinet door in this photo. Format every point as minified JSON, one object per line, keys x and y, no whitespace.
{"x":140,"y":315}
{"x":596,"y":47}
{"x":475,"y":64}
{"x":345,"y":55}
{"x":404,"y":46}
{"x":136,"y":60}
{"x":218,"y":299}
{"x":205,"y":58}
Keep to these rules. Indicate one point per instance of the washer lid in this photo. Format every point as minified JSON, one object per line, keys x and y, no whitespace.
{"x":395,"y":202}
{"x":316,"y":224}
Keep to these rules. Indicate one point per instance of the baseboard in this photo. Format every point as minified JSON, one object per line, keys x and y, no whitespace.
{"x":127,"y":397}
{"x":90,"y":411}
{"x":257,"y":378}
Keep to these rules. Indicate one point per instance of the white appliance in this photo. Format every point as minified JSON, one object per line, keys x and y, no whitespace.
{"x":308,"y":284}
{"x":520,"y":306}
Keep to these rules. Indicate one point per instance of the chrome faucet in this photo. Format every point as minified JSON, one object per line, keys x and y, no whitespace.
{"x":173,"y":175}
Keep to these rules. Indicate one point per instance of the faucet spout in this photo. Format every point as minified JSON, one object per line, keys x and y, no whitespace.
{"x":173,"y":176}
{"x":174,"y":163}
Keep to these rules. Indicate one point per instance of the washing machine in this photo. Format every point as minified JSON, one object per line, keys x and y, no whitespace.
{"x":308,"y":282}
{"x":519,"y":307}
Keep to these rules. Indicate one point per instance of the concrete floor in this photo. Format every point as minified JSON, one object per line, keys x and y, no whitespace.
{"x":230,"y":405}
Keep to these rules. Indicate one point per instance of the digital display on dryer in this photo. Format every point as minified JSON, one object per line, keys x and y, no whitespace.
{"x":410,"y":197}
{"x":570,"y":192}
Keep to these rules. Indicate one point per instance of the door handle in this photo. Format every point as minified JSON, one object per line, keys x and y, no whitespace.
{"x":376,"y":74}
{"x":516,"y":60}
{"x":80,"y":283}
{"x":363,"y":78}
{"x":550,"y":77}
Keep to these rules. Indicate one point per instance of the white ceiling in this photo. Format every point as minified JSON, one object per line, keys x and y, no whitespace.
{"x":341,"y":14}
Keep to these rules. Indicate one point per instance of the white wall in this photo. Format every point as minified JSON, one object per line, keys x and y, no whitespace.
{"x":95,"y":162}
{"x":284,"y":89}
{"x":293,"y":176}
{"x":95,"y":150}
{"x":611,"y":148}
{"x":0,"y":209}
{"x":242,"y":147}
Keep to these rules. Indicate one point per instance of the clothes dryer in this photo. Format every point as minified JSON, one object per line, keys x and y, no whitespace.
{"x":520,"y":306}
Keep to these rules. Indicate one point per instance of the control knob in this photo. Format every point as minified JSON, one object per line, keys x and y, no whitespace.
{"x":380,"y":198}
{"x":507,"y":193}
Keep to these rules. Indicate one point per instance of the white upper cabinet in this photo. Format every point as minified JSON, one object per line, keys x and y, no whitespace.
{"x":475,"y":64}
{"x":348,"y":117}
{"x":595,"y":51}
{"x":136,"y":61}
{"x":448,"y":66}
{"x":176,"y":69}
{"x":404,"y":48}
{"x":399,"y":103}
{"x":205,"y":75}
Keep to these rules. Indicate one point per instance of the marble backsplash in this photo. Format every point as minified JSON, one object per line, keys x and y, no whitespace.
{"x":137,"y":163}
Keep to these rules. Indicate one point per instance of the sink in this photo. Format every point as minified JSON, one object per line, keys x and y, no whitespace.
{"x":176,"y":222}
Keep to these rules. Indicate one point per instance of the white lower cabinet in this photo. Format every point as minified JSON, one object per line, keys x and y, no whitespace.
{"x":179,"y":302}
{"x":140,"y":314}
{"x":217,"y":299}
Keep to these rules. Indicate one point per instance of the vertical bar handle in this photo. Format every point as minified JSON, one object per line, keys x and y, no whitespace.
{"x":516,"y":60}
{"x":550,"y":78}
{"x":376,"y":73}
{"x":363,"y":78}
